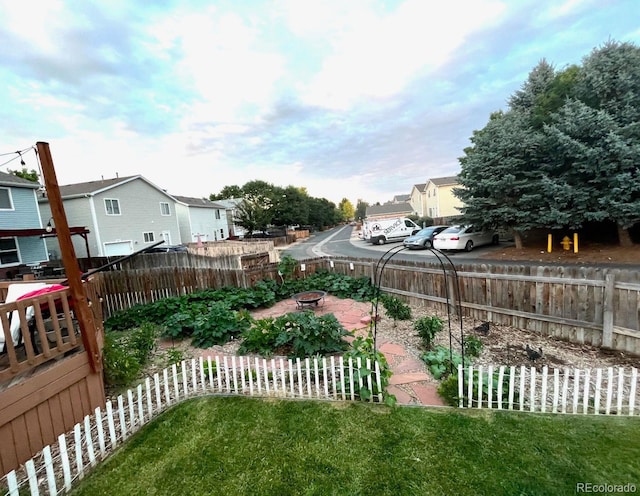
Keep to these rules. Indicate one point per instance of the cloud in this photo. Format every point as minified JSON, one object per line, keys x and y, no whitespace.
{"x":358,"y":99}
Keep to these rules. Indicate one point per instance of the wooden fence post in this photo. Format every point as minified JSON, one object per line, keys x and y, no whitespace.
{"x":607,"y":318}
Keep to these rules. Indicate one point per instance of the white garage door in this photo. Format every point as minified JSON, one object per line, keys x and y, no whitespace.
{"x":118,"y":248}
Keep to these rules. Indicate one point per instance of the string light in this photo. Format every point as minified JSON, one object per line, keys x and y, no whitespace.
{"x":17,"y":155}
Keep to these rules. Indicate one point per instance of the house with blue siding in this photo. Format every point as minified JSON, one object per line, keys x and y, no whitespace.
{"x":19,"y":210}
{"x":201,"y":219}
{"x":123,"y":214}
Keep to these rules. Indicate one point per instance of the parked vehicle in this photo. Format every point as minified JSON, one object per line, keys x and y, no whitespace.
{"x":463,"y":238}
{"x":388,"y":230}
{"x":423,"y":238}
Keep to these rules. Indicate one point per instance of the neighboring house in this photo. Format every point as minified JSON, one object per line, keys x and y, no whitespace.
{"x":401,"y":198}
{"x":201,"y":219}
{"x":389,"y":210}
{"x":123,"y":214}
{"x":441,"y":203}
{"x":231,"y":205}
{"x":19,"y":211}
{"x":418,"y":199}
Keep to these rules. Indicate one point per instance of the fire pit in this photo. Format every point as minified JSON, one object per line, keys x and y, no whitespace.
{"x":309,"y":298}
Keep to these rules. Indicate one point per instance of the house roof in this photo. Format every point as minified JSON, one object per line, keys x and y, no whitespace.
{"x":198,"y":202}
{"x":420,"y":187}
{"x":92,"y":188}
{"x":444,"y":181}
{"x":401,"y":198}
{"x":389,"y":208}
{"x":16,"y":181}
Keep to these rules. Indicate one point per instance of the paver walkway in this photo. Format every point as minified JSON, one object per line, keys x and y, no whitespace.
{"x":410,"y":383}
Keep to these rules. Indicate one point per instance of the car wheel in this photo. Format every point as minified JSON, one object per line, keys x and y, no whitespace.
{"x":381,"y":240}
{"x":468,"y":246}
{"x":496,"y":239}
{"x":427,"y":244}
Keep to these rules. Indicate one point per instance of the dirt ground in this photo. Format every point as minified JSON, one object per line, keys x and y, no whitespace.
{"x":506,"y":345}
{"x":589,"y":253}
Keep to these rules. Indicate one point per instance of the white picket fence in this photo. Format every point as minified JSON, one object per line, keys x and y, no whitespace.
{"x":610,"y":391}
{"x":54,"y":470}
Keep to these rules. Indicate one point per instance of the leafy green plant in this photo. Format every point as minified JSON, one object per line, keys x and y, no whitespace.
{"x":163,"y":312}
{"x":125,"y":353}
{"x":260,"y":338}
{"x":427,"y":327}
{"x":364,"y":349}
{"x":120,"y":365}
{"x":174,"y":356}
{"x":298,"y":334}
{"x":441,"y":361}
{"x":287,"y":267}
{"x":448,"y":390}
{"x":395,"y":308}
{"x":143,"y":340}
{"x":219,"y":325}
{"x":178,"y":325}
{"x":472,"y":346}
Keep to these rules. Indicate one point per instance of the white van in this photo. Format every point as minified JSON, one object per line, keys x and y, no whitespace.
{"x":388,"y":230}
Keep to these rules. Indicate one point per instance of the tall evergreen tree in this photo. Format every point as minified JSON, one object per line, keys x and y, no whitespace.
{"x":501,"y":176}
{"x":609,"y":83}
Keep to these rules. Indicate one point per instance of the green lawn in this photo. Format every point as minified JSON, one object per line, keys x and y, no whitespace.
{"x":230,"y":446}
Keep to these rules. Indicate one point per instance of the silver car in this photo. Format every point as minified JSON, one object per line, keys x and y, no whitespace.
{"x":423,"y":238}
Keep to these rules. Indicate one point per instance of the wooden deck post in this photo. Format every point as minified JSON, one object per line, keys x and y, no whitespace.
{"x":69,"y":259}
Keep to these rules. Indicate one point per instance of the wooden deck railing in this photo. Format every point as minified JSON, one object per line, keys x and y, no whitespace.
{"x":48,"y":334}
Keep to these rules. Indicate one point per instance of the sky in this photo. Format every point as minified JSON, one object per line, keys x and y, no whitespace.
{"x":356,"y":99}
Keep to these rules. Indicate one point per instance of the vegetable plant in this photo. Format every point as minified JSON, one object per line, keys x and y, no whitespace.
{"x":427,"y":327}
{"x":395,"y":308}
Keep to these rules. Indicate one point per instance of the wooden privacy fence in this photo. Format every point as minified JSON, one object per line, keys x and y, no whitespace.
{"x":610,"y":391}
{"x":75,"y":453}
{"x":586,"y":305}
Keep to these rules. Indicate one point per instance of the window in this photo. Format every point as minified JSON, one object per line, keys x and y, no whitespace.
{"x":149,"y":237}
{"x":218,"y":214}
{"x":164,"y":208}
{"x":112,"y":206}
{"x":5,"y":199}
{"x":8,"y":251}
{"x":221,"y":233}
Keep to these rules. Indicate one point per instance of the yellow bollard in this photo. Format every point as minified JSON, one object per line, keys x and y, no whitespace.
{"x":575,"y":242}
{"x":549,"y":243}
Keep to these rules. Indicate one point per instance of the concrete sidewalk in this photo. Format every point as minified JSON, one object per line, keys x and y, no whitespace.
{"x":410,"y":383}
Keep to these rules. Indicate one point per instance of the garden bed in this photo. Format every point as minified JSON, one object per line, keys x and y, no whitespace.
{"x":502,"y":345}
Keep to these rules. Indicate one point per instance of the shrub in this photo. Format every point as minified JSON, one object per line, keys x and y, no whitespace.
{"x":427,"y":327}
{"x":125,"y":353}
